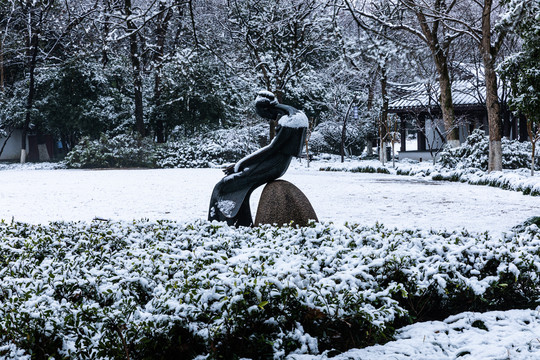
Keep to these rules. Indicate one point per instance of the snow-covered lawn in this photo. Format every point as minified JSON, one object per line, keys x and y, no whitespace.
{"x":183,"y":195}
{"x":39,"y":196}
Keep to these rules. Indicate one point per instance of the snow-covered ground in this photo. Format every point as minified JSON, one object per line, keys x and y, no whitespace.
{"x":39,"y":196}
{"x":496,"y":335}
{"x":183,"y":195}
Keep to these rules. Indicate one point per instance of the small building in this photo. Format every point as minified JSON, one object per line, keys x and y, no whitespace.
{"x":38,"y":147}
{"x":417,"y":107}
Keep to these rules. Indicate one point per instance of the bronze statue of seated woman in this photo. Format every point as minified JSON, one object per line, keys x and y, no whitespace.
{"x":230,"y":198}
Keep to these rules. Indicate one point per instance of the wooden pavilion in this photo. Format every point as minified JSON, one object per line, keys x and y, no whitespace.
{"x":419,"y":112}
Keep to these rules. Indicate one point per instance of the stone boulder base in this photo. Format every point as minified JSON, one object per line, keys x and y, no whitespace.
{"x":281,"y":202}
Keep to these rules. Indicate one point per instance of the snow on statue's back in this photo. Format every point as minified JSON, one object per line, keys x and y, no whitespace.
{"x":298,"y":120}
{"x":261,"y":167}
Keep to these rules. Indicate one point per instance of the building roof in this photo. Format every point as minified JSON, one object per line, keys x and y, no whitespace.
{"x":423,"y":96}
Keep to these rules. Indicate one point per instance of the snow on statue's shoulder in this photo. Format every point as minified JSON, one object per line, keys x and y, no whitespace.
{"x":297,"y":120}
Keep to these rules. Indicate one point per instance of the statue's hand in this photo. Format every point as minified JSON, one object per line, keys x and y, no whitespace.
{"x":229,"y":170}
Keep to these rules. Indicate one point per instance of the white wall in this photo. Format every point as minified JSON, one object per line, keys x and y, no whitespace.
{"x":433,"y":139}
{"x":12,"y":151}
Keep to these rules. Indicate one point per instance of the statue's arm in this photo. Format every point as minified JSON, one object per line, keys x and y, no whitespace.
{"x":264,"y":152}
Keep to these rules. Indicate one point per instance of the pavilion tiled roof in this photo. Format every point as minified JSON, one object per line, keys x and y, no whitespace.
{"x":424,"y":96}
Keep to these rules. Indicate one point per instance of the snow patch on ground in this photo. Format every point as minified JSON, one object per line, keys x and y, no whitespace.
{"x":513,"y":334}
{"x":32,"y":166}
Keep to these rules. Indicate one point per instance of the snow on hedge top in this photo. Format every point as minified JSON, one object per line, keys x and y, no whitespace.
{"x":297,"y":120}
{"x":72,"y":280}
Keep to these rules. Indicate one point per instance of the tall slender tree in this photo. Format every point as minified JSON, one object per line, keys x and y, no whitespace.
{"x":136,"y":65}
{"x":37,"y":14}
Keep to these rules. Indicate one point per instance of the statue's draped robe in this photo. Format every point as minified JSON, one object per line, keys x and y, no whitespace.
{"x":230,"y":198}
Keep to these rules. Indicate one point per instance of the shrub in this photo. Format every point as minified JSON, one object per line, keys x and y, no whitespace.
{"x":326,"y":138}
{"x":475,"y":151}
{"x":210,"y":149}
{"x":118,"y":152}
{"x":152,"y":289}
{"x":204,"y":150}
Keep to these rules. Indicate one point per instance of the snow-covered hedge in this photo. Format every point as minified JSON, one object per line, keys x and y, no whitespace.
{"x":120,"y":151}
{"x":203,"y":150}
{"x":367,"y":168}
{"x":113,"y":290}
{"x":475,"y":151}
{"x":211,"y":149}
{"x":326,"y":138}
{"x":518,"y":180}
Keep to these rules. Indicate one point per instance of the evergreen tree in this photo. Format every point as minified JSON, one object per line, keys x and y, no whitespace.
{"x":523,"y":68}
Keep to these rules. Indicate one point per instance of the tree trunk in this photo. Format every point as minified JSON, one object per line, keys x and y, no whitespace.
{"x":447,"y":106}
{"x":382,"y":148}
{"x":1,"y":65}
{"x":507,"y":122}
{"x":33,"y":48}
{"x":440,"y":58}
{"x":308,"y":136}
{"x":533,"y":137}
{"x":492,"y":98}
{"x":384,"y":115}
{"x":104,"y":50}
{"x":533,"y":159}
{"x":161,"y":31}
{"x":393,"y":154}
{"x":159,"y":128}
{"x":369,"y":147}
{"x":344,"y":132}
{"x":523,"y":133}
{"x":136,"y":68}
{"x":371,"y":97}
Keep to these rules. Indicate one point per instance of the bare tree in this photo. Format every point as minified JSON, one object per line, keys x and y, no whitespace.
{"x":476,"y":19}
{"x":43,"y":27}
{"x":132,"y":21}
{"x":489,"y":52}
{"x":6,"y":16}
{"x":344,"y":130}
{"x":36,"y":14}
{"x":162,"y":24}
{"x":279,"y":38}
{"x":383,"y":132}
{"x":389,"y":134}
{"x":431,"y":31}
{"x":136,"y":65}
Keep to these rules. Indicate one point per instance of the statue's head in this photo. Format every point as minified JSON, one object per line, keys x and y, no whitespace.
{"x":265,"y":105}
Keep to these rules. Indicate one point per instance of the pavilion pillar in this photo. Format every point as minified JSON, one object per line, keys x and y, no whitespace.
{"x":514,"y":127}
{"x":523,"y":134}
{"x":403,"y":131}
{"x":421,"y":138}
